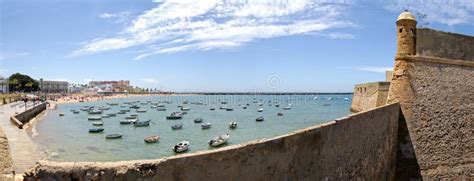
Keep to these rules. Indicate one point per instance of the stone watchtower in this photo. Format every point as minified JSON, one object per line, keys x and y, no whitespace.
{"x":406,"y":34}
{"x":406,"y":46}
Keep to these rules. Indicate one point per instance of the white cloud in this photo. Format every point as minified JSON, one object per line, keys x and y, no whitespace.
{"x":373,"y":69}
{"x":120,"y":17}
{"x":449,"y":12}
{"x":150,"y":81}
{"x":13,"y":55}
{"x":187,"y":25}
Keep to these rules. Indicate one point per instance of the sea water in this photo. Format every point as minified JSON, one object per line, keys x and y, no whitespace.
{"x":66,"y":138}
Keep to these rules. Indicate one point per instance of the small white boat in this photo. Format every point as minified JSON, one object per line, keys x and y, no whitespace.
{"x":220,"y":140}
{"x":260,"y":110}
{"x":61,"y":114}
{"x":141,"y":110}
{"x":185,"y":109}
{"x":206,"y":125}
{"x":287,"y":108}
{"x":280,"y":114}
{"x":94,"y":118}
{"x":128,"y":121}
{"x":97,"y":123}
{"x":181,"y":147}
{"x":233,"y":125}
{"x":95,"y":111}
{"x":104,"y":108}
{"x":114,"y":136}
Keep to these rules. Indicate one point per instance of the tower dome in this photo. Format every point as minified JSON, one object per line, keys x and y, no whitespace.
{"x":406,"y":15}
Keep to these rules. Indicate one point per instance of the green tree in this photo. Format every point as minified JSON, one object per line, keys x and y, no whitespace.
{"x":22,"y":83}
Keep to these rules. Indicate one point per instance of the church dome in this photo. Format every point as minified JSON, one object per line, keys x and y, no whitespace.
{"x":406,"y":15}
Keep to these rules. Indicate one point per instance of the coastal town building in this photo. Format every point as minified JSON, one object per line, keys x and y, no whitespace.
{"x":49,"y":86}
{"x":111,"y":86}
{"x":3,"y":85}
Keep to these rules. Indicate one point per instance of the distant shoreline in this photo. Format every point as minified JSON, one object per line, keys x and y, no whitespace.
{"x":264,"y":93}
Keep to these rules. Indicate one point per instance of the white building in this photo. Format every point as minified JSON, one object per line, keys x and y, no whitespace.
{"x":53,"y":86}
{"x":3,"y":85}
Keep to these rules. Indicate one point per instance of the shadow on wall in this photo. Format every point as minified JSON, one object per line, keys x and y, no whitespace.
{"x":407,"y":167}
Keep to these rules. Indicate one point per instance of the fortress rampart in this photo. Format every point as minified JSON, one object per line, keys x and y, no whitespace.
{"x":369,"y":95}
{"x":337,"y":150}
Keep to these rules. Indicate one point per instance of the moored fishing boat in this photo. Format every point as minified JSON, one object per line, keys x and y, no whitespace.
{"x":206,"y":125}
{"x":174,"y":115}
{"x":114,"y":136}
{"x":96,"y":130}
{"x":280,"y":114}
{"x":181,"y":147}
{"x":219,"y":140}
{"x":94,"y":118}
{"x":103,"y":108}
{"x":259,"y":119}
{"x":198,"y":120}
{"x":185,"y":109}
{"x":177,"y":126}
{"x":260,"y":110}
{"x":130,"y":117}
{"x":160,"y":109}
{"x":61,"y":114}
{"x":233,"y":125}
{"x":97,"y":123}
{"x":128,"y":121}
{"x":95,"y":111}
{"x":141,"y":110}
{"x":142,"y":123}
{"x":152,"y":139}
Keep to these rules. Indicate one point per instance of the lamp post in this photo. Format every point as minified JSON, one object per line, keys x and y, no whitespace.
{"x":25,"y":99}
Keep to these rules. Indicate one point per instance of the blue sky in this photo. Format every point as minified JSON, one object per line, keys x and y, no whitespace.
{"x":214,"y":45}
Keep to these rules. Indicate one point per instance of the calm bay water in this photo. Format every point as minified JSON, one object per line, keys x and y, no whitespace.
{"x":66,"y":138}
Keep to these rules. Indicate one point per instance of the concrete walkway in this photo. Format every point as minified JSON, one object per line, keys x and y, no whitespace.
{"x":22,"y":149}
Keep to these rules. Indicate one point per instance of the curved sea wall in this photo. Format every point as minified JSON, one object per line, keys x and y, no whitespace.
{"x":361,"y":146}
{"x":25,"y":117}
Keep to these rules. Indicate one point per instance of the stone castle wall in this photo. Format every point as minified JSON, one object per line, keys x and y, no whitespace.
{"x":432,"y":43}
{"x":358,"y":147}
{"x":437,"y":100}
{"x":370,"y":95}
